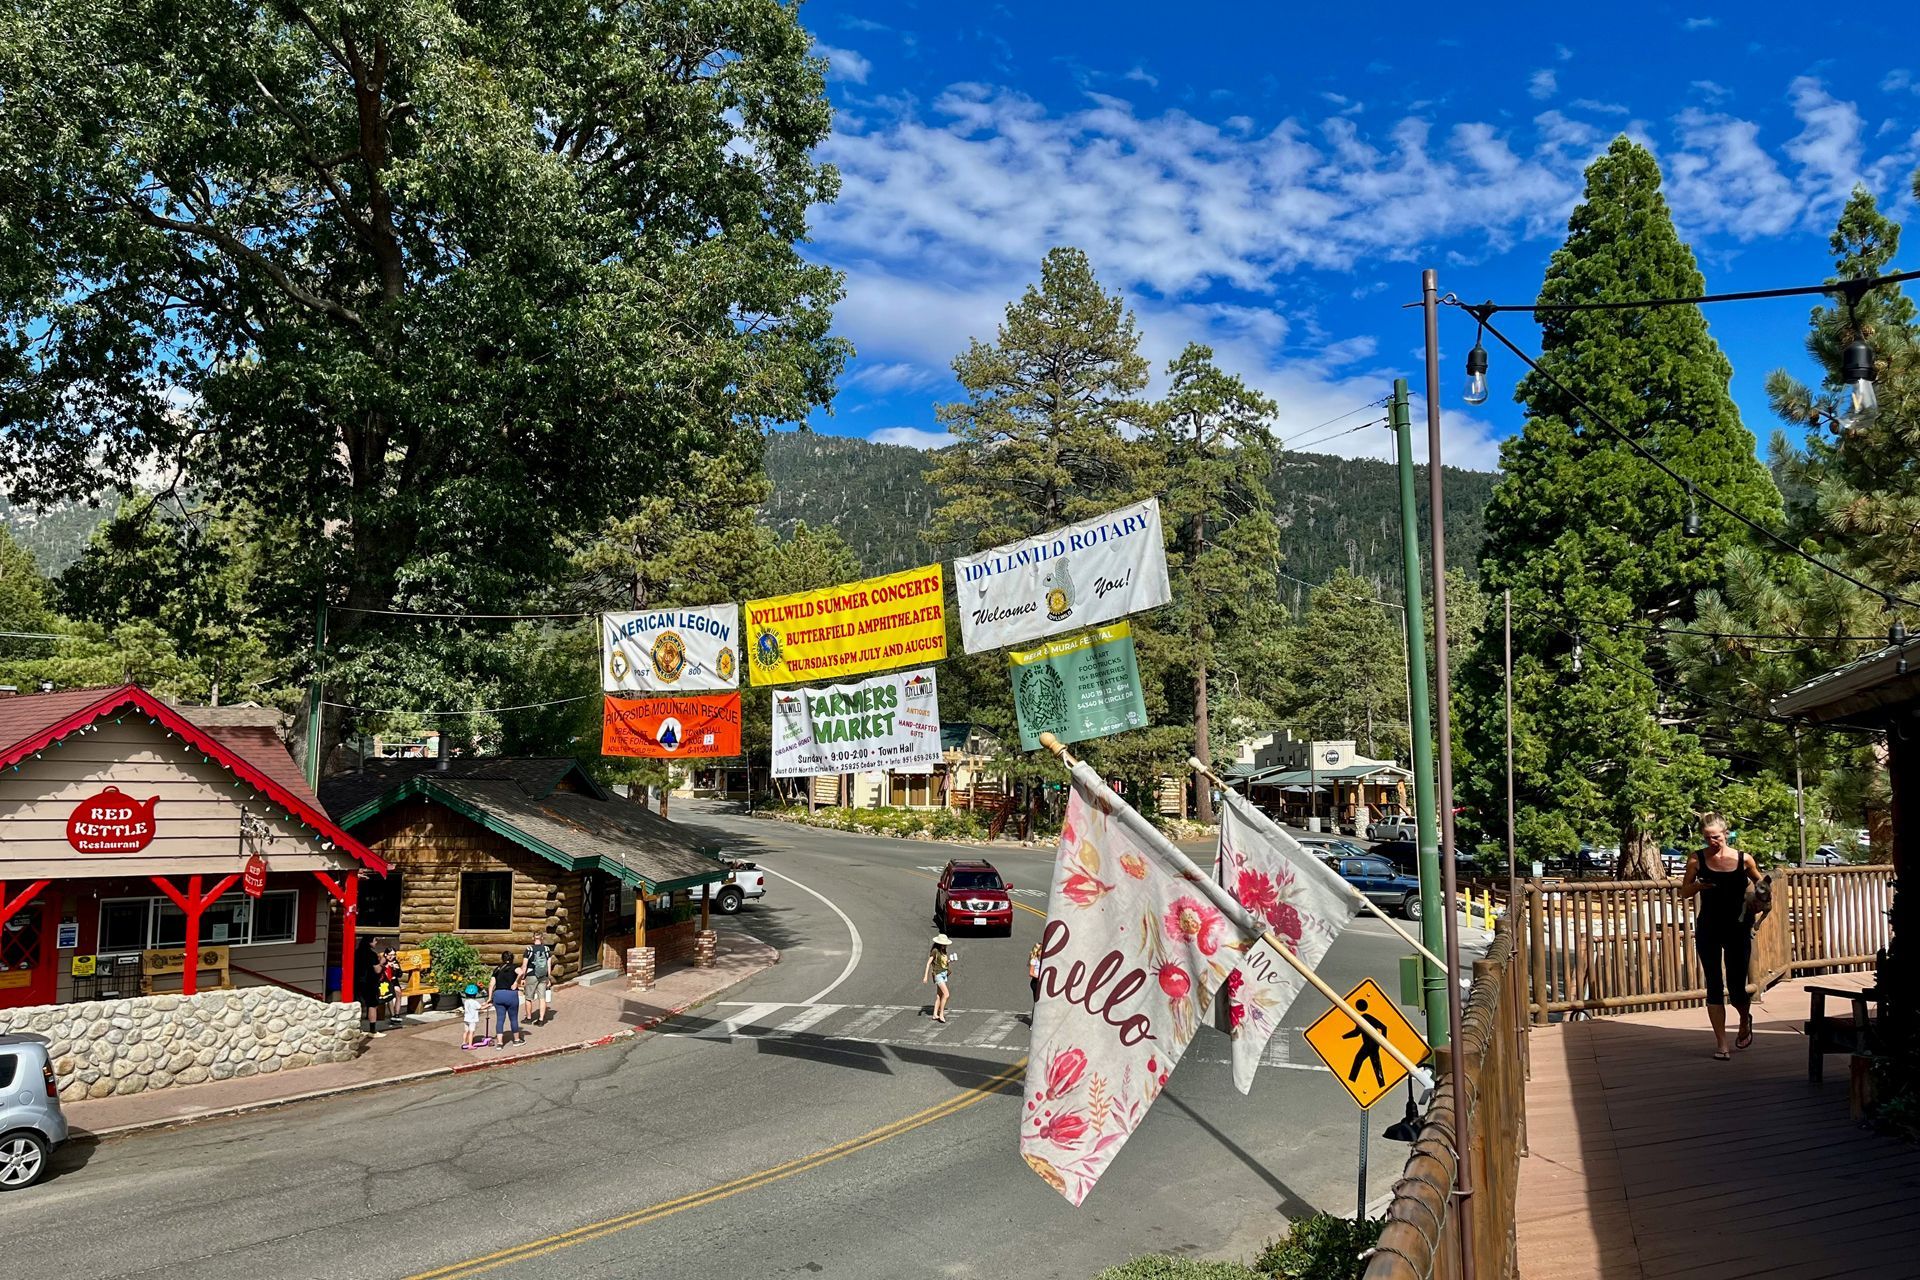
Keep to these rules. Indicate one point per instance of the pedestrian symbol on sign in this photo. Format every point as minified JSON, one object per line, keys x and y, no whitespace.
{"x":1356,"y":1058}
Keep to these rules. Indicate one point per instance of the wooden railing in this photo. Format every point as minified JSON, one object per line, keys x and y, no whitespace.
{"x":1421,"y":1240}
{"x":1606,"y":946}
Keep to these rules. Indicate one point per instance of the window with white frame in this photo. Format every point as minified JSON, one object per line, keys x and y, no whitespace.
{"x":235,"y":920}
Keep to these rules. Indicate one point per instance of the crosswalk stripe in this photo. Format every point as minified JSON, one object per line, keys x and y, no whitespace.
{"x":994,"y":1031}
{"x":806,"y":1018}
{"x":729,"y":1026}
{"x":867,"y":1022}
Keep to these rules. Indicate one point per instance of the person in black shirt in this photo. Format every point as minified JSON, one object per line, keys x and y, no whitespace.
{"x":366,"y":983}
{"x":1723,"y":929}
{"x":504,"y":991}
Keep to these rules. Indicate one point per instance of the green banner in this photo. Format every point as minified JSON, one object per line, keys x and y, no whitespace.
{"x":1077,"y":687}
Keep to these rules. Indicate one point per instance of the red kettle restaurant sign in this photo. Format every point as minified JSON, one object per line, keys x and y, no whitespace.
{"x":111,"y":823}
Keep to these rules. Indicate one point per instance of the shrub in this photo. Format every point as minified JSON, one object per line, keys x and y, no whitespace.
{"x":1159,"y":1266}
{"x":455,"y":963}
{"x":1322,"y":1247}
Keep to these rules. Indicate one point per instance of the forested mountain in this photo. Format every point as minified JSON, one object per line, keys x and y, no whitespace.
{"x":1334,"y":513}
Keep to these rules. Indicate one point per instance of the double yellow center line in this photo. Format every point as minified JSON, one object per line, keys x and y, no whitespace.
{"x":712,"y":1195}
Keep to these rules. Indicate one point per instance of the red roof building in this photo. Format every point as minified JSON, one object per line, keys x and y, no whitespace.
{"x":145,"y":846}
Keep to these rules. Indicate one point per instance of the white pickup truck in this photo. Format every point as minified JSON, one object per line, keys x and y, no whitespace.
{"x":744,"y":881}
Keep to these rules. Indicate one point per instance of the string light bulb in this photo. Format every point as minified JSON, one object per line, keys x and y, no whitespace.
{"x":1860,"y":403}
{"x":1477,"y":371}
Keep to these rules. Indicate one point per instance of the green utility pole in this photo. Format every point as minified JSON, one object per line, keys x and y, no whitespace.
{"x":314,"y":709}
{"x":1432,"y":901}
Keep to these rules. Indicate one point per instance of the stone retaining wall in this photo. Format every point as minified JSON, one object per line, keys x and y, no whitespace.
{"x":117,"y":1047}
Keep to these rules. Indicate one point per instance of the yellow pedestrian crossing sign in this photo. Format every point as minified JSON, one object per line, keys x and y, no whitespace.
{"x":1358,"y":1062}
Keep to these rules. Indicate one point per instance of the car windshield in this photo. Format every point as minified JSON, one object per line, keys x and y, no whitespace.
{"x":976,"y":880}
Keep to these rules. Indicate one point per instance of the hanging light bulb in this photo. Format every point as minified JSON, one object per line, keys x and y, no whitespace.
{"x":1860,"y":405}
{"x":1897,"y":634}
{"x":1578,"y":666}
{"x":1477,"y":373}
{"x":1691,"y":526}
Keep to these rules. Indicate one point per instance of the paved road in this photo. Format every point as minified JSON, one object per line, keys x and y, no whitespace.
{"x":815,"y":1123}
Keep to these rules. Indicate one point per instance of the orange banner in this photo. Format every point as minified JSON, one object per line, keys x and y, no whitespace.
{"x":697,"y":727}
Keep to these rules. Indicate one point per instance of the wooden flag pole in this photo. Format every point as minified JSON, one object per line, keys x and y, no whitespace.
{"x":1229,"y":906}
{"x":1273,"y":829}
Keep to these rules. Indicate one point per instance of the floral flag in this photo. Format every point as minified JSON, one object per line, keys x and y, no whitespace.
{"x":1129,"y":961}
{"x":1302,"y":900}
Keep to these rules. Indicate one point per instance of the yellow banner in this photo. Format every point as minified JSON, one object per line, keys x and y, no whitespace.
{"x":1072,"y":644}
{"x":891,"y":621}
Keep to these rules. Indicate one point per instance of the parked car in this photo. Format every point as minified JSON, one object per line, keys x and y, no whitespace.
{"x":1674,"y":859}
{"x":1826,"y":856}
{"x":1329,"y":846}
{"x":1863,"y":838}
{"x":1382,"y":882}
{"x":745,"y":882}
{"x":971,"y":895}
{"x":31,"y":1123}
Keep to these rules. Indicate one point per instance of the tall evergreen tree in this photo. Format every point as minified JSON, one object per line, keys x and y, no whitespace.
{"x":1215,"y":440}
{"x":1589,"y":535}
{"x":1347,"y":668}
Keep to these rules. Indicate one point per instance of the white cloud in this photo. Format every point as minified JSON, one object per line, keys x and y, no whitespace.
{"x":1700,"y":24}
{"x":1598,"y":107}
{"x":888,"y":377}
{"x":1144,"y":77}
{"x":1711,"y":90}
{"x":844,"y":64}
{"x":1900,"y":80}
{"x":911,"y":437}
{"x":1828,"y":148}
{"x":1543,"y":84}
{"x":1563,"y":53}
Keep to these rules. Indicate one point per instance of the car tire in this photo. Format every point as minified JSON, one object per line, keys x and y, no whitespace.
{"x":728,"y":901}
{"x":23,"y":1160}
{"x":1410,"y":906}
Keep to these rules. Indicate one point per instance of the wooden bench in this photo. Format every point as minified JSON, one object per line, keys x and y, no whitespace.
{"x":1837,"y":1035}
{"x":416,"y":968}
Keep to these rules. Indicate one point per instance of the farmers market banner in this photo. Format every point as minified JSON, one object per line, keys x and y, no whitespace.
{"x":670,"y":650}
{"x":701,"y":726}
{"x":1084,"y":574}
{"x":886,"y":722}
{"x":1085,"y":686}
{"x":842,"y":631}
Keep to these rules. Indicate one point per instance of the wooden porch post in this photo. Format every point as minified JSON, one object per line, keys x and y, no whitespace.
{"x":347,"y":893}
{"x":193,"y":904}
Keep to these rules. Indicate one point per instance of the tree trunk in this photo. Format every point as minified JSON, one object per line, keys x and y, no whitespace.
{"x":1639,"y":855}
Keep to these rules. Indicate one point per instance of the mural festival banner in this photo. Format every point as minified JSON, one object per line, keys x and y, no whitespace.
{"x":889,"y":722}
{"x":1085,"y":686}
{"x":1129,"y":962}
{"x":670,"y":650}
{"x":1086,"y":573}
{"x":870,"y":625}
{"x":1299,"y":897}
{"x":699,"y":726}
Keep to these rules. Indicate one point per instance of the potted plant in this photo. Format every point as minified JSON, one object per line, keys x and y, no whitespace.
{"x":456,"y":962}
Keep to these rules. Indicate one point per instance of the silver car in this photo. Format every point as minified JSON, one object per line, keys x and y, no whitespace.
{"x":31,"y":1124}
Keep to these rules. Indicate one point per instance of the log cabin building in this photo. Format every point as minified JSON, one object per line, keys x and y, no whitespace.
{"x":494,"y":849}
{"x":149,"y":848}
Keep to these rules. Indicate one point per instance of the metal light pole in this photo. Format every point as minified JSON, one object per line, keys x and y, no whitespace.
{"x":316,"y":708}
{"x":1513,"y":882}
{"x":1432,"y":906}
{"x":1799,"y":797}
{"x":1443,"y":777}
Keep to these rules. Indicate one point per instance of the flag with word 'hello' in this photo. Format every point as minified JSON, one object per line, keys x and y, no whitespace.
{"x":1302,"y":899}
{"x":1130,"y":959}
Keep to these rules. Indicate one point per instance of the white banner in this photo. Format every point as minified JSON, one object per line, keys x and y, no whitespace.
{"x":1300,"y":898}
{"x":1084,"y":574}
{"x":670,"y":650}
{"x":1129,"y":961}
{"x":889,"y":721}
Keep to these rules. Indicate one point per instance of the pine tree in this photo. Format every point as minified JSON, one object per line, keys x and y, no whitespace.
{"x":1589,"y":535}
{"x":1215,"y":441}
{"x":1347,"y":667}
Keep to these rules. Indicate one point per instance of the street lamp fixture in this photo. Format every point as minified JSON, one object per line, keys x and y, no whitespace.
{"x":1692,"y":527}
{"x":1477,"y":373}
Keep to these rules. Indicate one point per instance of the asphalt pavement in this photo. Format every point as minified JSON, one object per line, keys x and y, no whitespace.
{"x":816,"y":1122}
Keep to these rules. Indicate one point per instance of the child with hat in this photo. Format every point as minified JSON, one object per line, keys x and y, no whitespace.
{"x":472,"y":1003}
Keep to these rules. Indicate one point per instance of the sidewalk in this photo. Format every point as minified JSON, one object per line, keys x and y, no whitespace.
{"x":583,"y":1017}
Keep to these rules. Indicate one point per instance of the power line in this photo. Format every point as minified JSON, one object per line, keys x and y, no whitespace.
{"x":1308,"y":444}
{"x":414,"y":613}
{"x":1371,"y":404}
{"x":477,"y":711}
{"x":1638,"y":304}
{"x":1317,"y":585}
{"x":1688,"y":485}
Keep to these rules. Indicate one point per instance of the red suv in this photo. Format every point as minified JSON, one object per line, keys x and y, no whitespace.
{"x":972,"y":895}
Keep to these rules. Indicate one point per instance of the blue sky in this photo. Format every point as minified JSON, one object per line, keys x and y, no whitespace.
{"x":1271,"y":179}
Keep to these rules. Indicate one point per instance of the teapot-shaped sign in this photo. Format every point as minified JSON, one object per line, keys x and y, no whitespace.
{"x":111,"y":823}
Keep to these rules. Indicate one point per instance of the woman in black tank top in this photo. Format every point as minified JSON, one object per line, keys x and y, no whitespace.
{"x":1722,"y":934}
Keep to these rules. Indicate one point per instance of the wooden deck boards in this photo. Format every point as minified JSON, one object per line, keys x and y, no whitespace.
{"x":1651,"y":1160}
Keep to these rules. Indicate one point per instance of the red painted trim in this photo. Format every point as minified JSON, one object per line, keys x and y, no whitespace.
{"x":133,"y":695}
{"x":190,"y":980}
{"x":334,"y":889}
{"x":10,"y":908}
{"x":86,"y":906}
{"x":306,"y":914}
{"x":166,"y":886}
{"x":349,"y":921}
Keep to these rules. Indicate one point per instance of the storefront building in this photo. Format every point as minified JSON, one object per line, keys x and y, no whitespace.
{"x":148,"y":848}
{"x":494,"y":850}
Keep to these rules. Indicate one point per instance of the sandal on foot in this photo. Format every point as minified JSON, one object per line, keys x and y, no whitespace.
{"x":1744,"y":1040}
{"x":1721,"y":1055}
